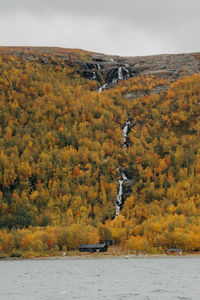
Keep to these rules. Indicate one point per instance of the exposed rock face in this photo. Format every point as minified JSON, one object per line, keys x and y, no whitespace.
{"x":111,"y":69}
{"x":131,"y":174}
{"x":127,"y":186}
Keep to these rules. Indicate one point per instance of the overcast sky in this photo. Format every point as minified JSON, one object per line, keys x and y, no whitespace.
{"x":124,"y":27}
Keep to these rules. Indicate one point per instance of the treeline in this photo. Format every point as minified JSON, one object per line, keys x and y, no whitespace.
{"x":46,"y":241}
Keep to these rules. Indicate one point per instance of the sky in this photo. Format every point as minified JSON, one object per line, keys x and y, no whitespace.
{"x":118,"y":27}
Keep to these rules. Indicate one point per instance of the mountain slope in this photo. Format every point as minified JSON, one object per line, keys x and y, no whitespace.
{"x":105,"y":68}
{"x":62,"y":150}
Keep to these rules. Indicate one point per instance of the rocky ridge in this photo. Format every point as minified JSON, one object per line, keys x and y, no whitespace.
{"x":107,"y":69}
{"x":110,"y":70}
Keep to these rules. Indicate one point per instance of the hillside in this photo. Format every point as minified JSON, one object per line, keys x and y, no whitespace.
{"x":62,"y":150}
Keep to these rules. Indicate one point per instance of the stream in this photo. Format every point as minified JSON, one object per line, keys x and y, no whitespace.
{"x":122,"y":73}
{"x":125,"y":129}
{"x":118,"y":203}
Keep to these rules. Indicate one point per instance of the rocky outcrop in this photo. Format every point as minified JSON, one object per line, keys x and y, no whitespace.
{"x":131,"y":174}
{"x":107,"y":69}
{"x":113,"y":69}
{"x":127,"y":186}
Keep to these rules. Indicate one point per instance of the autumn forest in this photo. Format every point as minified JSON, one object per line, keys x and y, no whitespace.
{"x":62,"y":149}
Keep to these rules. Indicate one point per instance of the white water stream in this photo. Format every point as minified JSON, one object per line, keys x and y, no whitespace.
{"x":119,"y":77}
{"x":102,"y":87}
{"x":123,"y":176}
{"x":125,"y":131}
{"x":119,"y":196}
{"x":94,"y":76}
{"x":120,"y":74}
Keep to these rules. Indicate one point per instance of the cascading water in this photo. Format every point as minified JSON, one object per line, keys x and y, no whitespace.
{"x":125,"y":131}
{"x":120,"y":75}
{"x":119,"y":196}
{"x":123,"y":176}
{"x":127,"y":72}
{"x":94,"y":76}
{"x":101,"y":88}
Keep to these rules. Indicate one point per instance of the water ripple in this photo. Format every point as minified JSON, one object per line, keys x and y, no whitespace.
{"x":101,"y":279}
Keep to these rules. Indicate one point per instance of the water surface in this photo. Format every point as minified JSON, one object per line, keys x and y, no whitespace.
{"x":95,"y":279}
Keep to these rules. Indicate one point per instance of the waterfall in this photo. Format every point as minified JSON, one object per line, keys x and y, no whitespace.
{"x":125,"y":131}
{"x":102,"y":87}
{"x":127,"y":72}
{"x":120,"y":75}
{"x":123,"y":176}
{"x":119,"y":196}
{"x":94,"y":76}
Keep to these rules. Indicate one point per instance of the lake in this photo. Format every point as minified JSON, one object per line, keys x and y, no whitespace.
{"x":105,"y":278}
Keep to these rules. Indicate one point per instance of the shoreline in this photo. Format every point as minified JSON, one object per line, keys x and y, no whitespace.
{"x":102,"y":256}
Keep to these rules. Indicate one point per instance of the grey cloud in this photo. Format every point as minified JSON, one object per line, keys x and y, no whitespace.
{"x":150,"y":9}
{"x":127,"y":27}
{"x":153,"y":15}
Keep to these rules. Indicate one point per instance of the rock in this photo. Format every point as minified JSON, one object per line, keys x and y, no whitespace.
{"x":91,"y":75}
{"x":90,"y":66}
{"x":135,"y":70}
{"x":169,"y":67}
{"x":98,"y":59}
{"x":131,"y":174}
{"x":127,"y":185}
{"x":116,"y":74}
